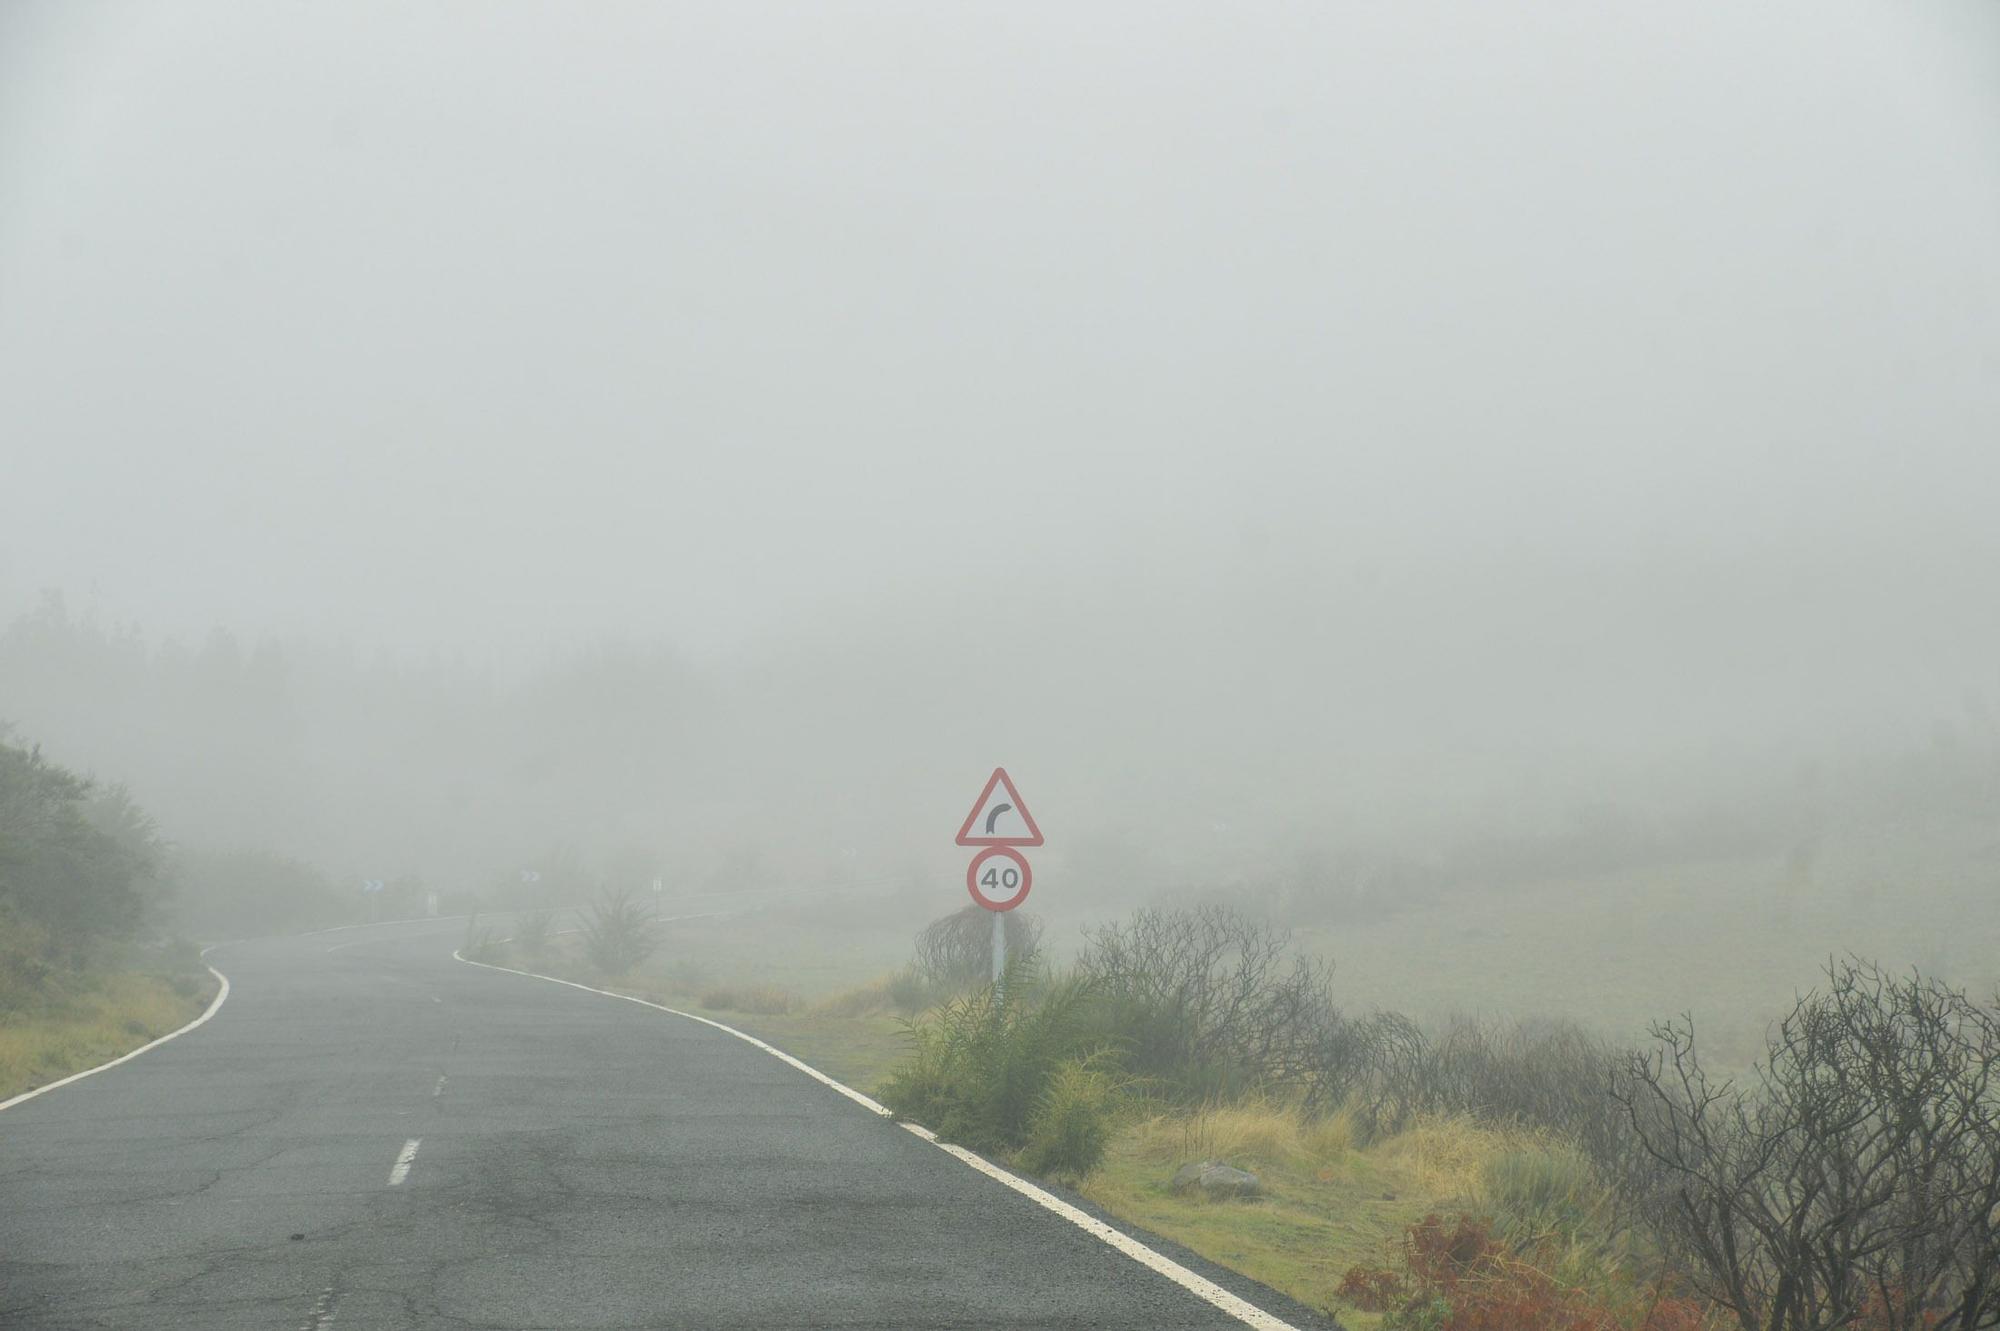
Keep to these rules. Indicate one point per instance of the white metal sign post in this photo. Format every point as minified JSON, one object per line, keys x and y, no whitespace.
{"x":999,"y":877}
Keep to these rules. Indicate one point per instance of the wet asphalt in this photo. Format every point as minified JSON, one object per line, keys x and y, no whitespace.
{"x":578,"y":1162}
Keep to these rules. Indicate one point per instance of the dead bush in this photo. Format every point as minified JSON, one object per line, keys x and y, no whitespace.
{"x":955,"y":953}
{"x":1856,"y":1182}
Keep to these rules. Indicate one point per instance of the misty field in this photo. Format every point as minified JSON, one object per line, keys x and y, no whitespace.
{"x":1730,"y":941}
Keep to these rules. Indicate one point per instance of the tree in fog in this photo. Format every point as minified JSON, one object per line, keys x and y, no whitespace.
{"x":74,"y":872}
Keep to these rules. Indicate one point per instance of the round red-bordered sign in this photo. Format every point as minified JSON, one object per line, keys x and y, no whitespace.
{"x":1005,"y":886}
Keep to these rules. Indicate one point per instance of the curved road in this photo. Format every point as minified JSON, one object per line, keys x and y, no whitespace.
{"x":370,"y":1134}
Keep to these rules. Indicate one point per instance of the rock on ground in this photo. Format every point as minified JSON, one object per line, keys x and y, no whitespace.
{"x":1214,"y":1179}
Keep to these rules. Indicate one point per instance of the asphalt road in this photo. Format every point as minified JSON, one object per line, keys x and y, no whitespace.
{"x":370,"y":1134}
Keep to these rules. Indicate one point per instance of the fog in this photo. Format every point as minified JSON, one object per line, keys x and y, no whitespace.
{"x":435,"y":439}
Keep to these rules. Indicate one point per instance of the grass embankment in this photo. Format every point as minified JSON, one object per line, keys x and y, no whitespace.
{"x":1329,"y":1204}
{"x":92,"y":1020}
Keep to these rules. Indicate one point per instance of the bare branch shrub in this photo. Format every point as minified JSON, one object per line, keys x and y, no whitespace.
{"x":1856,"y":1183}
{"x":955,"y":953}
{"x":1208,"y":1001}
{"x":1542,"y":1073}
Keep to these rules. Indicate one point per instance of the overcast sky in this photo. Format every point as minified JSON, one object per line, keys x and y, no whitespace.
{"x":492,"y":326}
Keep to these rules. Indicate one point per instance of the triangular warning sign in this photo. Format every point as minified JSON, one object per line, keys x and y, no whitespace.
{"x":999,"y":818}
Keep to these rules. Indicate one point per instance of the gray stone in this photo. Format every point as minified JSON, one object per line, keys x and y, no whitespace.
{"x":1214,"y":1179}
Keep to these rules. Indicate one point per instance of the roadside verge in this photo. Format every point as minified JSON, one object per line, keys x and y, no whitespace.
{"x":214,"y":1006}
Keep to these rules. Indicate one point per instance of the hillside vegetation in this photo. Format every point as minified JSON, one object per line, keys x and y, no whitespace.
{"x":84,"y":975}
{"x":1450,"y":1173}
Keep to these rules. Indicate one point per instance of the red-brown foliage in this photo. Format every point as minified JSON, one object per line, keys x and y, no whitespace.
{"x":1458,"y":1264}
{"x":1372,"y":1289}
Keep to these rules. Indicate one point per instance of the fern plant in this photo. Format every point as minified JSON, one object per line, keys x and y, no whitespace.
{"x":618,"y":933}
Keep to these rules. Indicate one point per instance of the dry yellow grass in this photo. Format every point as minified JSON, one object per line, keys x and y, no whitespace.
{"x":1448,"y":1154}
{"x":118,"y":1014}
{"x":1253,"y":1132}
{"x":864,"y":1000}
{"x":1329,"y":1203}
{"x":1329,"y":1137}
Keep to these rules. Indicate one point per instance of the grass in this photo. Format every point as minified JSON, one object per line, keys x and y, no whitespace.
{"x":102,"y":1018}
{"x":767,"y":1000}
{"x":1245,"y":1135}
{"x":1328,"y":1205}
{"x":857,"y":1050}
{"x":1452,"y":1156}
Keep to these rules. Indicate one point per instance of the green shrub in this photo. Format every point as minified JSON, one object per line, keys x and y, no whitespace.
{"x":980,"y":1066}
{"x":1072,"y":1123}
{"x":26,"y":976}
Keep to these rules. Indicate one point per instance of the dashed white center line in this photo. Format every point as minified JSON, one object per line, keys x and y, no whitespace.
{"x":438,"y":1089}
{"x":322,"y":1313}
{"x":408,"y":1157}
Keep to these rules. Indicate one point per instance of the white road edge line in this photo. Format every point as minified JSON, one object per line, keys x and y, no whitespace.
{"x":214,"y":1006}
{"x":1200,"y":1286}
{"x":407,"y":1157}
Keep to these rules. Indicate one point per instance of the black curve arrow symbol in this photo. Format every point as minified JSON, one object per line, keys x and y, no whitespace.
{"x":998,"y":809}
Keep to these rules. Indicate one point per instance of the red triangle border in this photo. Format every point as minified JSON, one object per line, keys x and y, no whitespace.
{"x":999,"y":778}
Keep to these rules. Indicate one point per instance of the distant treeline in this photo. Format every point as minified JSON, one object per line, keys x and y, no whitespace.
{"x":796,"y":769}
{"x":370,"y":768}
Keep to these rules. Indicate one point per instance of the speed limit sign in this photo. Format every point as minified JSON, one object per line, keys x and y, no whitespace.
{"x":998,"y":878}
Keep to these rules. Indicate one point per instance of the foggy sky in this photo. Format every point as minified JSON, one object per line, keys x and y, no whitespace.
{"x":1349,"y":377}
